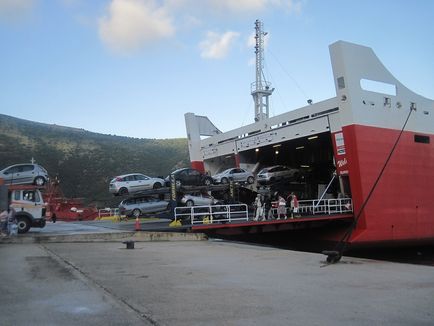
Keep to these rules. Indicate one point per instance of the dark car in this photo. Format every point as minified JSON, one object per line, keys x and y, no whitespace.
{"x":189,"y":177}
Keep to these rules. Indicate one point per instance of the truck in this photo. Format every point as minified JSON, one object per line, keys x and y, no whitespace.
{"x":29,"y":206}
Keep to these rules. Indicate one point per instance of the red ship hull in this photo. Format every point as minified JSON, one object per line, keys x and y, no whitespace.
{"x":401,"y":208}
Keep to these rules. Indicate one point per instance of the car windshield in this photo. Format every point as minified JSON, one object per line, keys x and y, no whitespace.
{"x":263,"y":171}
{"x":177,"y":171}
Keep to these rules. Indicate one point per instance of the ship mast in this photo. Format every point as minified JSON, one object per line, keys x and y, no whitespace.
{"x":260,"y":89}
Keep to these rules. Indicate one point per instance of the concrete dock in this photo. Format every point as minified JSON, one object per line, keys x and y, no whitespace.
{"x":205,"y":283}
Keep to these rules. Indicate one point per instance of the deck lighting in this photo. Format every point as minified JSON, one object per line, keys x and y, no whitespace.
{"x":299,"y":147}
{"x":277,"y":152}
{"x":257,"y":150}
{"x":305,"y":166}
{"x":312,"y":137}
{"x":278,"y":145}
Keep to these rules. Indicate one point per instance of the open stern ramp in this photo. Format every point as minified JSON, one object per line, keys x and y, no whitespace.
{"x":238,"y":218}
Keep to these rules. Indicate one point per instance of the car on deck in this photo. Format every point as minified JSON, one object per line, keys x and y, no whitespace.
{"x":137,"y":206}
{"x":133,"y":182}
{"x":189,"y":177}
{"x":277,"y":173}
{"x":234,"y":174}
{"x":25,"y":174}
{"x":199,"y":199}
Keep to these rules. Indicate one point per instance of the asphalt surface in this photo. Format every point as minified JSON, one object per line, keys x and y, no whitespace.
{"x":205,"y":283}
{"x":39,"y":289}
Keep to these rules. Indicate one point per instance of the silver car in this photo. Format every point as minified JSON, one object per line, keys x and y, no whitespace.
{"x":27,"y":173}
{"x":277,"y":173}
{"x":234,"y":174}
{"x":141,"y":205}
{"x":134,"y":182}
{"x":198,"y":199}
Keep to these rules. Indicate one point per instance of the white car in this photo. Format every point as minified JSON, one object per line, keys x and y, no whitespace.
{"x":198,"y":199}
{"x":234,"y":174}
{"x":134,"y":182}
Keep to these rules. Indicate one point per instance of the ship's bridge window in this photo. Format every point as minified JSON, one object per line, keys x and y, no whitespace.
{"x":378,"y":87}
{"x":421,"y":139}
{"x":387,"y":102}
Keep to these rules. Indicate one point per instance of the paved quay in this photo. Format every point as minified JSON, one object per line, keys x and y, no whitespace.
{"x":104,"y":231}
{"x":205,"y":283}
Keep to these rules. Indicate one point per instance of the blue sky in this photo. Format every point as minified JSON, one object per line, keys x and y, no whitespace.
{"x":134,"y":67}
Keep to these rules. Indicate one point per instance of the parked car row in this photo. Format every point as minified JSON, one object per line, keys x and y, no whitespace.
{"x":134,"y":182}
{"x":31,"y":173}
{"x":139,"y":205}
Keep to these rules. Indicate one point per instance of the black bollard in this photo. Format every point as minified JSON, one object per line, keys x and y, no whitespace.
{"x":130,"y":244}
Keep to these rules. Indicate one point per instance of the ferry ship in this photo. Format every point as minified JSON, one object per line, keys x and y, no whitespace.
{"x":374,"y":136}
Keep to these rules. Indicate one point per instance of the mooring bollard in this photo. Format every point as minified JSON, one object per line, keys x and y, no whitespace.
{"x":129,"y":243}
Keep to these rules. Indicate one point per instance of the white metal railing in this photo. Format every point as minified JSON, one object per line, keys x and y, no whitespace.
{"x":239,"y":212}
{"x":320,"y":207}
{"x":213,"y":214}
{"x":105,"y":212}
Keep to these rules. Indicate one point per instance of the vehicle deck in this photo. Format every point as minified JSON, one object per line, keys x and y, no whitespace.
{"x":274,"y":225}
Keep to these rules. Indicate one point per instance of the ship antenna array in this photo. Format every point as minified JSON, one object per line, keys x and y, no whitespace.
{"x":260,"y":89}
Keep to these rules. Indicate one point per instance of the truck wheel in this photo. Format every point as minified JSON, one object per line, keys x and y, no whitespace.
{"x":23,"y":224}
{"x":250,"y":180}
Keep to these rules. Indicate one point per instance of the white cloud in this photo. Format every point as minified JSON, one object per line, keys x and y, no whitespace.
{"x":217,"y":46}
{"x":15,"y":9}
{"x":133,"y":24}
{"x":239,"y":5}
{"x":234,"y":6}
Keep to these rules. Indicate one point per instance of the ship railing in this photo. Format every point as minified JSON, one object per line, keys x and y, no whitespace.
{"x":325,"y":206}
{"x":319,"y":207}
{"x":212,"y":214}
{"x":108,"y":212}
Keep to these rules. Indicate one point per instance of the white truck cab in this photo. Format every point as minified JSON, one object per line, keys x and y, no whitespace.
{"x":29,"y":207}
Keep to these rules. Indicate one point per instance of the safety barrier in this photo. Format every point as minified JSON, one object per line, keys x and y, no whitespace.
{"x":326,"y":206}
{"x":239,"y":212}
{"x":108,"y":213}
{"x":321,"y":207}
{"x":212,"y":214}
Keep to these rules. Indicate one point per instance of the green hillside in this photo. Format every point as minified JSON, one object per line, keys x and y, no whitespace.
{"x":85,"y":161}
